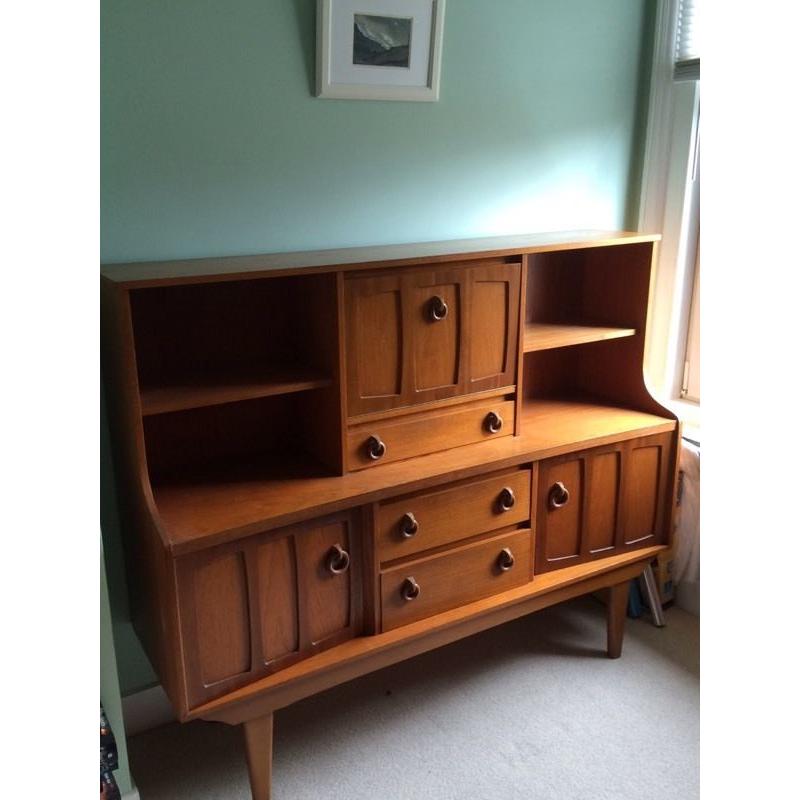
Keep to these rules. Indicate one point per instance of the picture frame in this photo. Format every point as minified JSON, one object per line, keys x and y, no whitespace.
{"x":379,"y":49}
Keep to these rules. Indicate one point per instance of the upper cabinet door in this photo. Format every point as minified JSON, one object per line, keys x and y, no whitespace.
{"x":423,"y":334}
{"x":435,"y":327}
{"x":375,"y":336}
{"x":493,"y":326}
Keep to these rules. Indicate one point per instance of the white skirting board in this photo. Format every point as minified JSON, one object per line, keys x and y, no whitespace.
{"x":146,"y":710}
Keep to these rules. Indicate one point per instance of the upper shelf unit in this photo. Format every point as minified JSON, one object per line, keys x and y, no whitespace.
{"x":576,"y":297}
{"x":210,"y":344}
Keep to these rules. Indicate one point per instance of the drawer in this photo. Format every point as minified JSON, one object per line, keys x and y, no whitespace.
{"x":435,"y":518}
{"x":461,"y":575}
{"x":371,"y":444}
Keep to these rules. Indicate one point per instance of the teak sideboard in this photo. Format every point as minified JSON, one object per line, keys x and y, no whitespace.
{"x":333,"y":461}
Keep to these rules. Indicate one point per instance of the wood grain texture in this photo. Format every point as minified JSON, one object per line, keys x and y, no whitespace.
{"x":254,"y":606}
{"x":431,"y":432}
{"x":360,"y":258}
{"x":543,"y":336}
{"x":258,"y":750}
{"x":460,"y":575}
{"x":214,"y":506}
{"x":617,"y":500}
{"x":366,"y":654}
{"x":216,"y":389}
{"x":455,"y":512}
{"x":616,"y":610}
{"x":402,"y":354}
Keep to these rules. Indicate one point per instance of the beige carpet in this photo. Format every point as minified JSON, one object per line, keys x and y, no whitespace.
{"x":532,"y":709}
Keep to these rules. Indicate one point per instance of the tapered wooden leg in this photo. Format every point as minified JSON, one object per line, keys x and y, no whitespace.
{"x":617,"y":608}
{"x":258,"y":747}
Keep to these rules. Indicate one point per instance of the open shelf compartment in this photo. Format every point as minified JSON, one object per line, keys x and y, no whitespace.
{"x":582,"y":296}
{"x":208,"y":344}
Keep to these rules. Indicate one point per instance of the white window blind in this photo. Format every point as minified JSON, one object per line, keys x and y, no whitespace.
{"x":687,"y":42}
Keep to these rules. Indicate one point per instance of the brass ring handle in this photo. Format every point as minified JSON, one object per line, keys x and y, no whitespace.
{"x":409,"y":525}
{"x":494,"y":422}
{"x":505,"y":560}
{"x":337,"y":560}
{"x":438,"y":308}
{"x":375,"y":448}
{"x":410,"y":589}
{"x":507,"y":499}
{"x":559,"y":495}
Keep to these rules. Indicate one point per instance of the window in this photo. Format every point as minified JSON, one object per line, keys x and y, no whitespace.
{"x":670,"y":204}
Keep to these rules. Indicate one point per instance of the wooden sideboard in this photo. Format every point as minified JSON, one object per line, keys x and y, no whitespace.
{"x":335,"y":460}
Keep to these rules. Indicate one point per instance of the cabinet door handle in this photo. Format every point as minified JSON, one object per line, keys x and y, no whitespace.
{"x":337,"y":560}
{"x":559,"y":495}
{"x":409,"y":525}
{"x":505,"y":560}
{"x":410,"y":589}
{"x":494,"y":422}
{"x":438,"y":308}
{"x":507,"y":499}
{"x":375,"y":448}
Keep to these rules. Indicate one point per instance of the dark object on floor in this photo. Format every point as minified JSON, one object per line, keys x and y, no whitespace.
{"x":109,"y":760}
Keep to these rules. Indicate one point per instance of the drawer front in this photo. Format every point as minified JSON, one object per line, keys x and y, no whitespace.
{"x":461,"y":575}
{"x":423,"y":521}
{"x":377,"y":443}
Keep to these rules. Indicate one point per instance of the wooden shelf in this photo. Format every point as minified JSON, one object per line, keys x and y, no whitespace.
{"x":542,"y":336}
{"x":215,"y":390}
{"x":222,"y":504}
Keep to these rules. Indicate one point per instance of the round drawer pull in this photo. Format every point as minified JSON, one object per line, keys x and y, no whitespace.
{"x":375,"y":448}
{"x":505,"y":560}
{"x":410,"y":589}
{"x":409,"y":525}
{"x":507,"y":499}
{"x":337,"y":560}
{"x":438,"y":308}
{"x":559,"y":495}
{"x":494,"y":422}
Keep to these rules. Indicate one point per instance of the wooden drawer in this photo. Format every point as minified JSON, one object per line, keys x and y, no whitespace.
{"x":453,"y":578}
{"x":427,"y":432}
{"x":431,"y":519}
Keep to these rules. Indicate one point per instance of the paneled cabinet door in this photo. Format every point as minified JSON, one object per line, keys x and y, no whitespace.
{"x":602,"y":501}
{"x":491,"y":337}
{"x":421,"y":335}
{"x":253,"y":607}
{"x":375,"y":343}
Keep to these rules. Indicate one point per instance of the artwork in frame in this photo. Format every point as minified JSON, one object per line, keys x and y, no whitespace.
{"x":379,"y":49}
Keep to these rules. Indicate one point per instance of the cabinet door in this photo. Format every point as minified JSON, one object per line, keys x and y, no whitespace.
{"x":375,"y":334}
{"x":602,"y":501}
{"x":251,"y":608}
{"x":492,"y":335}
{"x":435,"y":306}
{"x":424,"y":334}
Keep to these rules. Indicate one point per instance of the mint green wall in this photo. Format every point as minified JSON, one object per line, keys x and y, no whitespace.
{"x":213,"y":143}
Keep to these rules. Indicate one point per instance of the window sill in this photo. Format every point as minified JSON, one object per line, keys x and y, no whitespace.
{"x":688,"y":413}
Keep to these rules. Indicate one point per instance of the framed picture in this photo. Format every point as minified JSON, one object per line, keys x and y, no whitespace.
{"x":379,"y":49}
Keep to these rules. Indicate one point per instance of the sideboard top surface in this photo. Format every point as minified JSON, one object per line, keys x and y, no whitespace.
{"x":141,"y":274}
